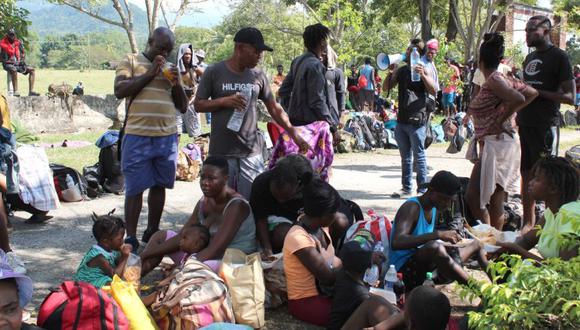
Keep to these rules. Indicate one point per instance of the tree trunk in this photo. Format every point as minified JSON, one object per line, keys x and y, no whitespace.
{"x":124,"y":11}
{"x":132,"y":41}
{"x":127,"y":21}
{"x":425,"y":13}
{"x":154,"y":16}
{"x":451,"y":33}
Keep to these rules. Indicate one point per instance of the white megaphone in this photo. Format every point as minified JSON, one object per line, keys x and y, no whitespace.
{"x":384,"y":60}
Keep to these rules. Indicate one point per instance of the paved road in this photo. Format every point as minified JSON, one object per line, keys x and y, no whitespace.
{"x":53,"y":250}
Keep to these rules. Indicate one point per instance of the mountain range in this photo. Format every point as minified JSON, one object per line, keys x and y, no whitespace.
{"x":51,"y":19}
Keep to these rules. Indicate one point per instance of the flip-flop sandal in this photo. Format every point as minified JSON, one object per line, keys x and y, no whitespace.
{"x":35,"y":218}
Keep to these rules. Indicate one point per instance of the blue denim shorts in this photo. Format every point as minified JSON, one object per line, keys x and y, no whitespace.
{"x":148,"y":161}
{"x":448,"y":100}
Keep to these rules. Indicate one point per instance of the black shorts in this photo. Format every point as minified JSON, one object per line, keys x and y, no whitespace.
{"x":20,"y":68}
{"x":536,"y":143}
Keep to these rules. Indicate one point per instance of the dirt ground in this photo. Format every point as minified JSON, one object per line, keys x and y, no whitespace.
{"x":52,"y":251}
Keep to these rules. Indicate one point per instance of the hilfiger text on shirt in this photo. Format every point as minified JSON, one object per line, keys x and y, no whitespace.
{"x":236,"y":86}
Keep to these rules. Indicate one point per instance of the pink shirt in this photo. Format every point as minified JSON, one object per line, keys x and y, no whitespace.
{"x":452,"y":88}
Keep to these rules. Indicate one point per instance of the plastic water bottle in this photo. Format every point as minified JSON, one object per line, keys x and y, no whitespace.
{"x":372,"y":275}
{"x":415,"y":59}
{"x":429,"y":280}
{"x":72,"y":193}
{"x":400,"y":290}
{"x":237,"y":118}
{"x":391,"y":278}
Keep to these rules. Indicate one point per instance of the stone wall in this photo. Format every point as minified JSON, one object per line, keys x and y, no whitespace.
{"x":42,"y":114}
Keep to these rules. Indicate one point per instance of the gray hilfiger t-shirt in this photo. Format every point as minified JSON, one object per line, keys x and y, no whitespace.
{"x":219,"y":81}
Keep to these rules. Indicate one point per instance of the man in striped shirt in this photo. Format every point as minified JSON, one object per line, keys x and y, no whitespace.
{"x":153,"y":91}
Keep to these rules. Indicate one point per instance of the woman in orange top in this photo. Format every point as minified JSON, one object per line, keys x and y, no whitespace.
{"x":309,"y":260}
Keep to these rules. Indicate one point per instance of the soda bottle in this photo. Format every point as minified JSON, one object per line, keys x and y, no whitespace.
{"x":429,"y":280}
{"x":237,"y":118}
{"x":415,"y":60}
{"x":400,"y":290}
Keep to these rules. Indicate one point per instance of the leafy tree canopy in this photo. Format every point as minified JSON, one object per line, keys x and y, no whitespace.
{"x":11,"y":16}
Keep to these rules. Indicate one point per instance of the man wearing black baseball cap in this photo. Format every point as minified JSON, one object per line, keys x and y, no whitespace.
{"x":229,"y":90}
{"x":417,"y":248}
{"x":252,"y":36}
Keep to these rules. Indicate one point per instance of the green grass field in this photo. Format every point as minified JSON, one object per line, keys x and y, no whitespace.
{"x":96,"y":82}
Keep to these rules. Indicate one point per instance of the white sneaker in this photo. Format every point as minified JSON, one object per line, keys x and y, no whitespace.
{"x":15,"y":263}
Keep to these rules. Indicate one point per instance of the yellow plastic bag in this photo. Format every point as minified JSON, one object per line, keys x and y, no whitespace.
{"x":244,"y":277}
{"x":131,"y":304}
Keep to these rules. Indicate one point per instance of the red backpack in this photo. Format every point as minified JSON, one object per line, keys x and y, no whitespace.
{"x":362,"y":81}
{"x":379,"y":226}
{"x":80,"y":306}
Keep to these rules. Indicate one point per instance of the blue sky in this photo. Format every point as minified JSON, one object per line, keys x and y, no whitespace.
{"x":211,"y":12}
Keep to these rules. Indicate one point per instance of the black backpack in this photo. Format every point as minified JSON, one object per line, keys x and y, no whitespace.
{"x":453,"y":218}
{"x":111,"y":176}
{"x":93,"y":178}
{"x":378,"y":130}
{"x":369,"y":139}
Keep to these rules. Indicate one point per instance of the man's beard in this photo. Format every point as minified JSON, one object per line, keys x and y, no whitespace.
{"x":535,"y":43}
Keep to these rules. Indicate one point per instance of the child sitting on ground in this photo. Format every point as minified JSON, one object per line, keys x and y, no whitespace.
{"x":349,"y":289}
{"x":109,"y":256}
{"x":556,"y":181}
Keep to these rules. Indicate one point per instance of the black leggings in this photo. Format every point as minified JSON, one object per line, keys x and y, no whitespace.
{"x":16,"y":203}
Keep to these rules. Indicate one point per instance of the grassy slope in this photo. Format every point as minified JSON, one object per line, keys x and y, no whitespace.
{"x":80,"y":157}
{"x":96,"y":82}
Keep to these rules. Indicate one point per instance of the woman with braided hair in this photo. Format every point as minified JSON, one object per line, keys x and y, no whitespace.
{"x":556,"y":181}
{"x":310,"y":263}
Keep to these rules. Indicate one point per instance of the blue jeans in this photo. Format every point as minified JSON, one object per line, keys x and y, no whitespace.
{"x":411,"y":141}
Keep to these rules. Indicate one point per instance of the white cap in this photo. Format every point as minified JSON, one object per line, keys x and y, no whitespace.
{"x":200,"y":53}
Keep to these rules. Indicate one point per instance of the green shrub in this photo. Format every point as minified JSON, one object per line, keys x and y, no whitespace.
{"x":534,"y":297}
